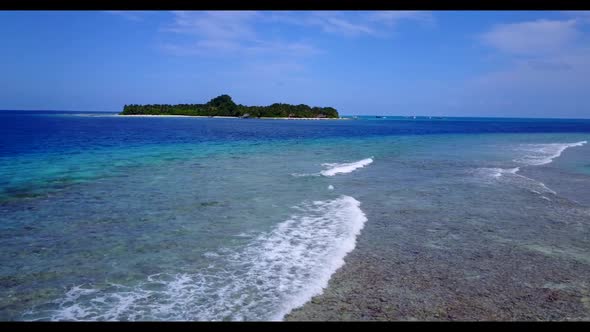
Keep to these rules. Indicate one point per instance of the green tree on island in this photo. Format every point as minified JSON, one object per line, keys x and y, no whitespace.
{"x":224,"y":106}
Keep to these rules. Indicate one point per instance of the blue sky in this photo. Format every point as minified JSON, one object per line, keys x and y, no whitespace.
{"x":455,"y":63}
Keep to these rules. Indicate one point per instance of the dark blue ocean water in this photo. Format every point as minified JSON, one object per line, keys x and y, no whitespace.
{"x":104,"y":217}
{"x":43,"y":131}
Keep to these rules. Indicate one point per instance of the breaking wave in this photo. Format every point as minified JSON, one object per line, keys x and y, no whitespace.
{"x":534,"y":155}
{"x":277,"y":272}
{"x":541,"y":154}
{"x":335,"y":168}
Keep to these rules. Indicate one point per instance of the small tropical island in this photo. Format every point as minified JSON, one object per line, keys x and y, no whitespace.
{"x":224,"y":106}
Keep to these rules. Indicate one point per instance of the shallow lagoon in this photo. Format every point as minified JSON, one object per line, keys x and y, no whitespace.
{"x":107,"y":218}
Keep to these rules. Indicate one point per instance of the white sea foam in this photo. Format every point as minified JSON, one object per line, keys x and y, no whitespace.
{"x":540,"y":154}
{"x":330,"y":187}
{"x":511,"y":175}
{"x":304,"y":174}
{"x":335,"y":168}
{"x":498,"y":172}
{"x":534,"y":155}
{"x":277,"y":272}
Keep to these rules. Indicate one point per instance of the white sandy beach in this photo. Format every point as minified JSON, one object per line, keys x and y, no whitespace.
{"x":221,"y":117}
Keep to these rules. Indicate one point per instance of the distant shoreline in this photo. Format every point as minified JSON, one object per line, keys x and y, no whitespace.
{"x":222,"y":117}
{"x":224,"y":106}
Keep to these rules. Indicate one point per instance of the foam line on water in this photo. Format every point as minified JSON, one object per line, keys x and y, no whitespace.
{"x":276,"y":272}
{"x":511,"y":175}
{"x":498,"y":172}
{"x":541,"y":154}
{"x":535,"y":155}
{"x":342,"y":168}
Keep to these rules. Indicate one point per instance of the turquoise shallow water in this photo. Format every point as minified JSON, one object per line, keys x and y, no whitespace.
{"x":109,"y":218}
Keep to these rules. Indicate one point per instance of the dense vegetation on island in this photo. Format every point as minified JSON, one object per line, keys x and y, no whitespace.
{"x":225,"y":106}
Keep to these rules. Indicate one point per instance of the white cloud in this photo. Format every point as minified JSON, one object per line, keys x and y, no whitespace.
{"x":208,"y":47}
{"x":241,"y":32}
{"x":542,"y":76}
{"x":581,"y":15}
{"x":257,"y":41}
{"x":339,"y":25}
{"x":352,"y":23}
{"x":533,"y":37}
{"x":222,"y":25}
{"x":547,"y":70}
{"x":334,"y":22}
{"x":391,"y":17}
{"x":232,"y":33}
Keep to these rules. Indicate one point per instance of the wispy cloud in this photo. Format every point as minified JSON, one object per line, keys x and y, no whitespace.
{"x":274,"y":47}
{"x":392,"y":17}
{"x":580,"y":15}
{"x":543,"y":76}
{"x":539,"y":46}
{"x":337,"y":23}
{"x":244,"y":32}
{"x":547,"y":66}
{"x":533,"y":37}
{"x":226,"y":25}
{"x":215,"y":48}
{"x":353,"y":24}
{"x":232,"y":33}
{"x":343,"y":26}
